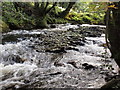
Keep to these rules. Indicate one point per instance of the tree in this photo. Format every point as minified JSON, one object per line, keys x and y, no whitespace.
{"x":113,"y":35}
{"x":42,"y":9}
{"x":40,"y":12}
{"x":66,"y":11}
{"x":113,"y":30}
{"x":24,"y":7}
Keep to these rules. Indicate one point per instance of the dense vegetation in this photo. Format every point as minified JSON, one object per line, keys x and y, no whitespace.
{"x":28,"y":15}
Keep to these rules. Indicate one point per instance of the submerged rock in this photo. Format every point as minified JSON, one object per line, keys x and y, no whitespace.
{"x":11,"y":59}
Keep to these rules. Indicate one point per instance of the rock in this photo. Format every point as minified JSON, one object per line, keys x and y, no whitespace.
{"x":58,"y":50}
{"x":108,"y":78}
{"x":72,"y":48}
{"x":112,"y":84}
{"x":88,"y":66}
{"x":52,"y":26}
{"x":85,"y":64}
{"x":57,"y":64}
{"x":57,"y":73}
{"x":9,"y":38}
{"x":31,"y":46}
{"x":91,"y":31}
{"x":11,"y":59}
{"x":73,"y":63}
{"x":71,"y":29}
{"x":103,"y":45}
{"x":82,"y":43}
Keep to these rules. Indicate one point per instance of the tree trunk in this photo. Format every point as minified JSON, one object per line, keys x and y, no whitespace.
{"x":41,"y":22}
{"x":40,"y":13}
{"x":66,"y":11}
{"x":113,"y":27}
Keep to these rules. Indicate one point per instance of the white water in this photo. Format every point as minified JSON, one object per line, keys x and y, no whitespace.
{"x":39,"y":66}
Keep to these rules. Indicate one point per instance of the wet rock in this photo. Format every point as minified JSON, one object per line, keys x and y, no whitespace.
{"x":10,"y":38}
{"x":88,"y":66}
{"x":58,"y":41}
{"x":59,"y":50}
{"x":57,"y":73}
{"x":76,"y":42}
{"x":11,"y":59}
{"x":85,"y":64}
{"x":31,"y":46}
{"x":114,"y":83}
{"x":73,"y":63}
{"x":103,"y":45}
{"x":92,"y":31}
{"x":93,"y":35}
{"x":57,"y":64}
{"x":110,"y":77}
{"x":6,"y":76}
{"x":72,"y":48}
{"x":71,"y":29}
{"x":52,"y":26}
{"x":82,"y":44}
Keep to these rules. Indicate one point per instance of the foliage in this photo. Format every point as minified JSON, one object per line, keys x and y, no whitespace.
{"x":83,"y":12}
{"x":81,"y":7}
{"x":88,"y":18}
{"x":17,"y":19}
{"x":53,"y":16}
{"x":88,"y":12}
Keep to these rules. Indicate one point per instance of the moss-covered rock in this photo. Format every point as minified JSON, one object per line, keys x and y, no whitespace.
{"x":4,"y":27}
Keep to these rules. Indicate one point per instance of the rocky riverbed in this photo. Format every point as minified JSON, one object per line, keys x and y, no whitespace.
{"x":67,"y":56}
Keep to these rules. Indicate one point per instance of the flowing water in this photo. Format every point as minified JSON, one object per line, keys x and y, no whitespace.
{"x":22,"y":65}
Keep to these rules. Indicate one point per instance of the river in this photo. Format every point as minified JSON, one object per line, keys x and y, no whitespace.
{"x":27,"y":59}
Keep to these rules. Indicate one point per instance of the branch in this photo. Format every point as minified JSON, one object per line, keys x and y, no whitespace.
{"x":66,"y":11}
{"x":51,"y":8}
{"x":42,"y":5}
{"x":46,"y":6}
{"x":36,"y":5}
